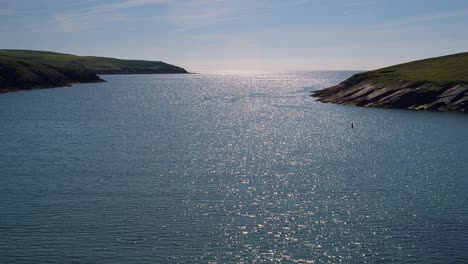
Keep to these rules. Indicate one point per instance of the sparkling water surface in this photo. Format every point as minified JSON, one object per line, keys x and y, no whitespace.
{"x":227,"y":168}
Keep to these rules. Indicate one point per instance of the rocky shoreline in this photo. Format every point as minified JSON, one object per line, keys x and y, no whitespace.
{"x":439,"y":84}
{"x":28,"y":69}
{"x":359,"y":91}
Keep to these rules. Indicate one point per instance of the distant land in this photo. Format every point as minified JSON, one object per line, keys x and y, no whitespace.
{"x":27,"y":69}
{"x":432,"y":84}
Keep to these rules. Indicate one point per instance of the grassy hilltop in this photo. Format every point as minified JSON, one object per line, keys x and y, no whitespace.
{"x":99,"y":65}
{"x":441,"y":70}
{"x":433,"y":84}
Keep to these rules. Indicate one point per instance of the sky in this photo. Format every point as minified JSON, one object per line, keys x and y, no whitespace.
{"x":241,"y":35}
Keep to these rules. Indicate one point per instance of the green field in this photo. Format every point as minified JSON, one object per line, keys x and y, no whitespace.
{"x":100,"y":65}
{"x":441,"y":70}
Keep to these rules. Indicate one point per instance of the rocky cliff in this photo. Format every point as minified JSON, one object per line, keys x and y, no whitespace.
{"x":432,"y":84}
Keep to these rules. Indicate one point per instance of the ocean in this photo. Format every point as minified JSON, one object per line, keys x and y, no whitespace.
{"x":227,"y":167}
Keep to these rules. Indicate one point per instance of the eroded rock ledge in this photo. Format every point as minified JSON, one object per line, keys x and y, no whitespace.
{"x":425,"y":95}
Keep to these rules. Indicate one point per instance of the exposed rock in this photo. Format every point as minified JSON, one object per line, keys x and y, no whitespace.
{"x":431,"y":84}
{"x":419,"y":96}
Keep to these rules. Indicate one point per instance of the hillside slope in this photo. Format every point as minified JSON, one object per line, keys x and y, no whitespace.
{"x":99,"y":65}
{"x":433,"y":84}
{"x":17,"y":74}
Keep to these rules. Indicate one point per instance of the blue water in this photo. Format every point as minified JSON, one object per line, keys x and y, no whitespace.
{"x":227,"y":168}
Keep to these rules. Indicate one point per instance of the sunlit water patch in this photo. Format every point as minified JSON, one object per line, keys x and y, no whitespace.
{"x":227,"y":168}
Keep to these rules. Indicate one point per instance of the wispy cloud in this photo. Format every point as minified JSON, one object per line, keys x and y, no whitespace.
{"x":183,"y":14}
{"x":190,"y":14}
{"x":78,"y":22}
{"x":98,"y":15}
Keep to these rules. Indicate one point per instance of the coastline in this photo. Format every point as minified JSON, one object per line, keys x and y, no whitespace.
{"x":407,"y":95}
{"x":439,"y":84}
{"x":16,"y":90}
{"x":29,"y":69}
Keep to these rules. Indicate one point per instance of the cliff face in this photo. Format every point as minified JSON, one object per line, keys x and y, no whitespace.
{"x":16,"y":74}
{"x":432,"y":84}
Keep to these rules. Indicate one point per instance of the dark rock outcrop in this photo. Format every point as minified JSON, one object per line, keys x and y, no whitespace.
{"x":439,"y":83}
{"x":360,"y":91}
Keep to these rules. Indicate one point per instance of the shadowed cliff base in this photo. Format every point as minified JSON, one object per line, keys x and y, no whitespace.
{"x":433,"y":84}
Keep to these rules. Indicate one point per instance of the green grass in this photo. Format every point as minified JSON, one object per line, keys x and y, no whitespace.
{"x":441,"y":70}
{"x":23,"y":67}
{"x":100,"y":65}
